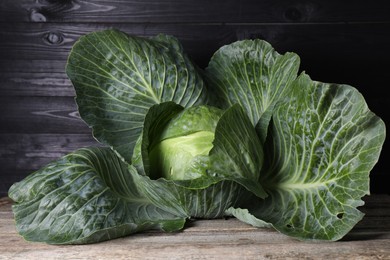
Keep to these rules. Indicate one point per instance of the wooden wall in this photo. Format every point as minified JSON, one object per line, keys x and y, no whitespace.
{"x":338,"y":41}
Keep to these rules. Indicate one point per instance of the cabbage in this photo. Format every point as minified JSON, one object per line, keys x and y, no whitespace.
{"x":181,"y":148}
{"x":247,"y":137}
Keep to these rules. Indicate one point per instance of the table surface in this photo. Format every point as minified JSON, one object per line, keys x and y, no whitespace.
{"x":214,"y":239}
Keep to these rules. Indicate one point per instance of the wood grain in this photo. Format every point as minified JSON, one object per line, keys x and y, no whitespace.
{"x":200,"y":11}
{"x":20,"y":77}
{"x":29,"y":152}
{"x":40,"y":115}
{"x":214,"y":239}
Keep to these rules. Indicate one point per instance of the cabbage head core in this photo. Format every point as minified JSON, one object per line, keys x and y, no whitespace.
{"x":184,"y":144}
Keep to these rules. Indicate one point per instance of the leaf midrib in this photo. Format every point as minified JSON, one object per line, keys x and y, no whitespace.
{"x":287,"y":186}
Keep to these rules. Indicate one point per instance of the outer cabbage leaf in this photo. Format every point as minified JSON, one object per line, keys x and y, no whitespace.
{"x":237,"y":153}
{"x":85,"y":197}
{"x":252,"y":74}
{"x":322,"y":144}
{"x":118,"y":77}
{"x":230,"y":172}
{"x":245,"y":216}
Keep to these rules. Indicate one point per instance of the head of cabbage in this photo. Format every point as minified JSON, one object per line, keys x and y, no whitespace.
{"x":180,"y":151}
{"x":283,"y":150}
{"x":202,"y":153}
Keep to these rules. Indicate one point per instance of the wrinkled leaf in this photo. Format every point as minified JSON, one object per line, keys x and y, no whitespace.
{"x":237,"y":154}
{"x":118,"y":77}
{"x":322,"y":144}
{"x":252,"y":74}
{"x":85,"y":197}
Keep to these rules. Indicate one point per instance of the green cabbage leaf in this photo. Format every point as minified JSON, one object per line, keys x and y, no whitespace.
{"x":251,"y":73}
{"x":118,"y":77}
{"x":85,"y":197}
{"x":322,"y":144}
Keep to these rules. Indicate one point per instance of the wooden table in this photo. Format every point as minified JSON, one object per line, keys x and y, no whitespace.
{"x":214,"y":239}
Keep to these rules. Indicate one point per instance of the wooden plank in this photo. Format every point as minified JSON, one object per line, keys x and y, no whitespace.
{"x":40,"y":115}
{"x":54,"y":41}
{"x":201,"y":11}
{"x":31,"y":151}
{"x":210,"y":239}
{"x":346,"y":53}
{"x":345,"y":41}
{"x":35,"y":78}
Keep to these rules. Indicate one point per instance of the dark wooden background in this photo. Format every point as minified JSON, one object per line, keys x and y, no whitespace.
{"x":338,"y":41}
